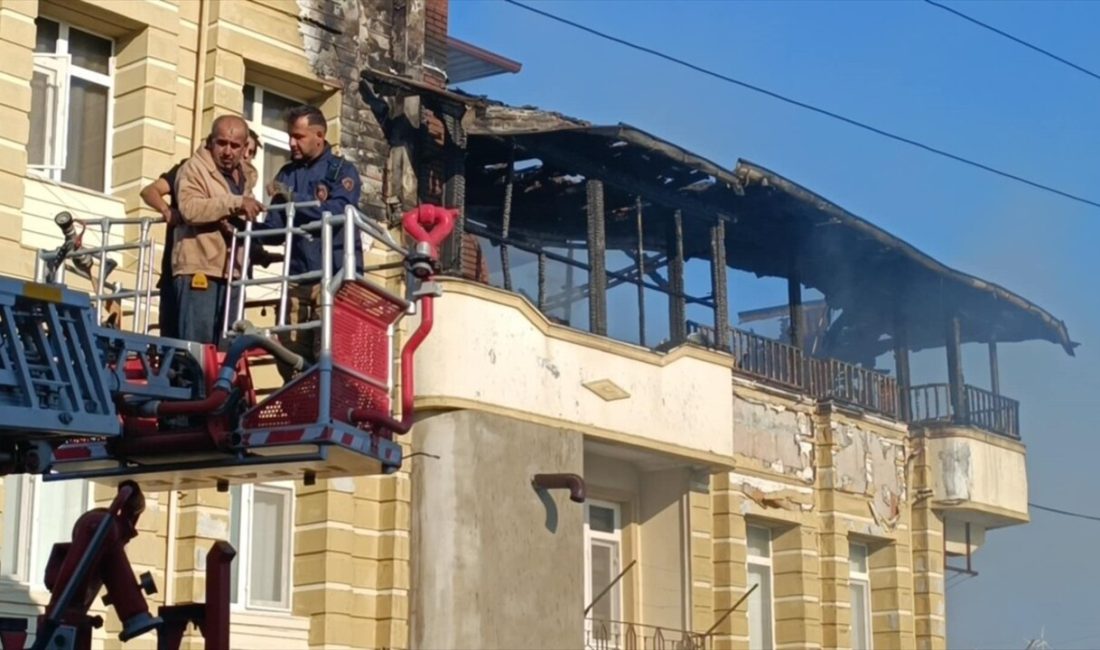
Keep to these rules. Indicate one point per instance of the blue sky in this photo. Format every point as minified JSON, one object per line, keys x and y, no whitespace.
{"x":916,"y":70}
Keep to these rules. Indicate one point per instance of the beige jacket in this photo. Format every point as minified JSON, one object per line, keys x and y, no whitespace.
{"x":205,"y":204}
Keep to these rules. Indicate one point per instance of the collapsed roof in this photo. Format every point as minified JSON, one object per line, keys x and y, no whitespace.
{"x":774,"y":227}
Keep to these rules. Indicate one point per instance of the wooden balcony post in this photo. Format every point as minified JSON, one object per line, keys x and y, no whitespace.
{"x":597,"y":262}
{"x":901,"y":367}
{"x":794,"y":301}
{"x":956,"y":382}
{"x":677,"y":306}
{"x":718,"y":281}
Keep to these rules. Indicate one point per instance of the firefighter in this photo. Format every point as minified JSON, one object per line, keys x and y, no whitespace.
{"x":313,"y":173}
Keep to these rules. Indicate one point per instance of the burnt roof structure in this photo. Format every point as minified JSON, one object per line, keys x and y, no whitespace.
{"x":772,"y":227}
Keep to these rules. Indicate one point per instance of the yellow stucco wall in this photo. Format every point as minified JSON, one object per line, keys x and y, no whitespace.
{"x":734,"y":453}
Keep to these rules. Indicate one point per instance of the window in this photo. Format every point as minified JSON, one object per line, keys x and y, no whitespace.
{"x":602,"y":563}
{"x":71,"y":93}
{"x":759,"y":608}
{"x":260,"y":519}
{"x":37,"y":515}
{"x":859,"y":582}
{"x":265,"y":113}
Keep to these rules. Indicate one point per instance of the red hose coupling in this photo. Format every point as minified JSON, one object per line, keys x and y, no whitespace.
{"x":429,"y":224}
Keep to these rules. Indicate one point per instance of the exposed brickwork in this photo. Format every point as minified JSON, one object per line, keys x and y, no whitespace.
{"x":435,"y":41}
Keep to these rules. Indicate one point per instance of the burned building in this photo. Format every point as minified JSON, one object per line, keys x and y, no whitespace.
{"x":588,"y":330}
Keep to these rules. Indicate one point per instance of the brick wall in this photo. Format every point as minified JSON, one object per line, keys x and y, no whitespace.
{"x":435,"y":40}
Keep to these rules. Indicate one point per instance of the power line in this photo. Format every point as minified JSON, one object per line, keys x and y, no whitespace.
{"x":1066,"y":513}
{"x":1014,"y":39}
{"x":807,"y":106}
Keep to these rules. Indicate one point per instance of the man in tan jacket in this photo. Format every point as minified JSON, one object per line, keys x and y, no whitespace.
{"x":215,"y":193}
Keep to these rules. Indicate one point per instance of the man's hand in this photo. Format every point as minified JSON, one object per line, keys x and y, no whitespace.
{"x":169,"y":215}
{"x":251,"y":208}
{"x":279,"y":192}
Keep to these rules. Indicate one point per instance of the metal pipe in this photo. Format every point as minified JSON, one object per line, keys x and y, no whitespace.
{"x":350,"y":234}
{"x":563,"y":481}
{"x":246,"y":258}
{"x":149,"y":284}
{"x":139,"y":317}
{"x":324,"y":363}
{"x":229,"y":281}
{"x":408,"y":392}
{"x":608,"y":587}
{"x":280,"y":317}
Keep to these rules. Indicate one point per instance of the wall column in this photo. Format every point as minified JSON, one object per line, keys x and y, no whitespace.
{"x":928,"y":562}
{"x":730,"y":570}
{"x":797,"y":588}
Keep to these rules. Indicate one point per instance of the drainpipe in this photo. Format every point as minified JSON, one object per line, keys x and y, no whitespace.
{"x":200,"y":74}
{"x":196,"y":134}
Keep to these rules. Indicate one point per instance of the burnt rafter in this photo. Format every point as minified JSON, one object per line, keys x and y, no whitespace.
{"x":769,"y":220}
{"x":567,"y":158}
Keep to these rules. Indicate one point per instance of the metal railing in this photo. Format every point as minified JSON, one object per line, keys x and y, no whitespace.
{"x":621,"y":635}
{"x":983,"y":409}
{"x":96,"y":264}
{"x":785,"y":365}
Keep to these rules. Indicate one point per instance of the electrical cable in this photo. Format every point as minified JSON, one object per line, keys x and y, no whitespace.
{"x":1066,"y":513}
{"x":1015,"y":39}
{"x":810,"y":107}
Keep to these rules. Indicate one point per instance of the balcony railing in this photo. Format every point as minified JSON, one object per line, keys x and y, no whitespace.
{"x":785,"y":365}
{"x":620,"y":635}
{"x":984,"y":410}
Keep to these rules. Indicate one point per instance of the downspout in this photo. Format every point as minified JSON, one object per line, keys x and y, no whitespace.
{"x":200,"y":74}
{"x":198,"y":99}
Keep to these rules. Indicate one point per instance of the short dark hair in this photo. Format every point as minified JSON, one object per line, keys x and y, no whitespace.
{"x":255,"y":138}
{"x":313,"y":115}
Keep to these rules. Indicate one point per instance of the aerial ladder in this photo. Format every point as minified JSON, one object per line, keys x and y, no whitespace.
{"x":82,"y":397}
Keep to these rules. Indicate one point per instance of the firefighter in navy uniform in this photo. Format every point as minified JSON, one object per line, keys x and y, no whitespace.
{"x":314,"y":173}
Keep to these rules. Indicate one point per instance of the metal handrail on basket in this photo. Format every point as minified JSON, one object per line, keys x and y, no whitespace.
{"x":50,"y":265}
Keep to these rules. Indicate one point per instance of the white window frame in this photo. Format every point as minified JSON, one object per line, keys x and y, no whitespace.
{"x":269,"y":136}
{"x":615,"y":541}
{"x":61,"y":49}
{"x":861,"y":580}
{"x":241,"y":600}
{"x":28,"y":517}
{"x":56,"y":65}
{"x":764,"y":561}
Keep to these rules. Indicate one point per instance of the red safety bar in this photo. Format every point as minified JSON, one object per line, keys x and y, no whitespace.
{"x":430,"y":225}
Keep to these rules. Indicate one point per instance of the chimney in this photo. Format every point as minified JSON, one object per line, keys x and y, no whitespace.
{"x":435,"y":42}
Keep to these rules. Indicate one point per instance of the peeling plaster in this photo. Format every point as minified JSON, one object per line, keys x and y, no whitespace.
{"x":772,"y":494}
{"x":781,"y":439}
{"x":955,"y":465}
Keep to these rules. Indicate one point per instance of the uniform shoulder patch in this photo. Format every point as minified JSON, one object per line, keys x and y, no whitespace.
{"x":348,"y":183}
{"x":322,"y":192}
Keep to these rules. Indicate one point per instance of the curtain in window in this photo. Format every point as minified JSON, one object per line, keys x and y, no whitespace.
{"x":59,"y":505}
{"x":268,"y":543}
{"x":759,"y":607}
{"x":85,"y":162}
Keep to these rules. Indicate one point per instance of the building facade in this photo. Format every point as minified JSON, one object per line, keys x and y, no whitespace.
{"x":741,"y":490}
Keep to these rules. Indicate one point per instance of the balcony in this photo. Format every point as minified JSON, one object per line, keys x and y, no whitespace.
{"x":619,"y":635}
{"x":788,"y":366}
{"x":931,"y":403}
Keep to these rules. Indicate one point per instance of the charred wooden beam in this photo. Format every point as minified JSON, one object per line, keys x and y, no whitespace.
{"x":901,"y":365}
{"x":956,"y":380}
{"x":677,"y":308}
{"x":641,"y":273}
{"x":542,"y":281}
{"x":572,"y":161}
{"x":597,"y":260}
{"x":718,"y":280}
{"x":506,"y":217}
{"x":994,"y":368}
{"x":794,"y":302}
